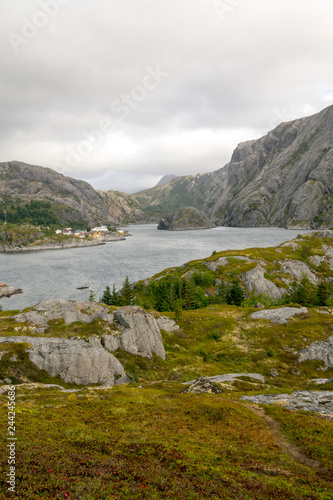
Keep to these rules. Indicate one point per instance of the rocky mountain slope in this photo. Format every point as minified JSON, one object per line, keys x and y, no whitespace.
{"x":73,"y":200}
{"x":187,"y":218}
{"x":282,"y":179}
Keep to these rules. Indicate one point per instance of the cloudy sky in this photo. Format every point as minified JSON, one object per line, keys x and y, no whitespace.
{"x":122,"y":92}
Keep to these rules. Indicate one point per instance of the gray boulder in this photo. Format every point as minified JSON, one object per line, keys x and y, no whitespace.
{"x":280,"y":315}
{"x":321,"y":351}
{"x":138,"y":333}
{"x":76,"y":361}
{"x":167,"y":324}
{"x":255,"y":281}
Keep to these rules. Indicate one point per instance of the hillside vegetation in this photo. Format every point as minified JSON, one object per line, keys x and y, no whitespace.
{"x":147,"y":440}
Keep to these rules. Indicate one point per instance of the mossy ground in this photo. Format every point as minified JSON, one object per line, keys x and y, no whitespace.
{"x":149,"y":441}
{"x":153,"y":443}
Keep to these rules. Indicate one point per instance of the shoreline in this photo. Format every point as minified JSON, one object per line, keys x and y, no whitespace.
{"x":60,"y":246}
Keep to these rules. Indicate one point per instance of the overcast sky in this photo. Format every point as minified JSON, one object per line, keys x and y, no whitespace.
{"x":122,"y":92}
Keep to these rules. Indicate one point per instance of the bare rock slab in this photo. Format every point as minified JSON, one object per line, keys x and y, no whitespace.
{"x":280,"y":315}
{"x":317,"y":401}
{"x":321,"y":351}
{"x":68,"y":310}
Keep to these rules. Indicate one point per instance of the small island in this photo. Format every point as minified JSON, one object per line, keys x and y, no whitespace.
{"x":185,"y":219}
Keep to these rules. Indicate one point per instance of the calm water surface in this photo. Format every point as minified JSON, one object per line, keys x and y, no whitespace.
{"x":53,"y":274}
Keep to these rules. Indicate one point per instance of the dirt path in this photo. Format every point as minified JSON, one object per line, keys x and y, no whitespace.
{"x":292,"y":450}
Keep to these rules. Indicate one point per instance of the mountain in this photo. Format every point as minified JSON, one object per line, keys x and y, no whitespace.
{"x":282,"y":179}
{"x":165,"y":179}
{"x":72,"y":200}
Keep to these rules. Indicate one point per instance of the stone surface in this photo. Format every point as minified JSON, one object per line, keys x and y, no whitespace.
{"x":76,"y":361}
{"x":317,"y":401}
{"x":229,"y":377}
{"x":68,"y":310}
{"x":138,"y":333}
{"x":255,"y":281}
{"x":167,"y":324}
{"x":8,"y":291}
{"x":214,"y":264}
{"x":297,"y":269}
{"x":203,"y":385}
{"x":280,"y":315}
{"x":321,"y":351}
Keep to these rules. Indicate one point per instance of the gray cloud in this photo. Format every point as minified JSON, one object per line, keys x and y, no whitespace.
{"x":121,"y":93}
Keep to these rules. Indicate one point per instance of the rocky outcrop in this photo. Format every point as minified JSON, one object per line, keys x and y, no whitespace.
{"x":167,"y":324}
{"x":320,"y":351}
{"x":280,"y":315}
{"x":203,"y":385}
{"x":138,"y":333}
{"x":297,"y":269}
{"x":187,"y":218}
{"x":76,"y":361}
{"x":317,"y":401}
{"x":255,"y":281}
{"x":68,"y":310}
{"x":8,"y":291}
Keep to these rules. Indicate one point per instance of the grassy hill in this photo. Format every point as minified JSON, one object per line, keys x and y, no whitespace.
{"x":147,"y":440}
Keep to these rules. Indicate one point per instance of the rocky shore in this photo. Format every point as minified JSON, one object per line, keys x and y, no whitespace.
{"x":49,"y":245}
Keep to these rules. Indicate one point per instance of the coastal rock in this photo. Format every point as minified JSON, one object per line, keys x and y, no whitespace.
{"x":187,"y":218}
{"x":76,"y":361}
{"x":321,"y":351}
{"x":8,"y":291}
{"x":203,"y":385}
{"x":139,"y":333}
{"x":280,"y":315}
{"x":317,"y":401}
{"x":68,"y":310}
{"x":255,"y":281}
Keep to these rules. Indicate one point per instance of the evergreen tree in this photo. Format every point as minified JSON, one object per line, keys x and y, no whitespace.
{"x":92,"y":296}
{"x":116,"y":299}
{"x":323,"y":294}
{"x":235,"y":294}
{"x":127,"y":293}
{"x":106,"y":297}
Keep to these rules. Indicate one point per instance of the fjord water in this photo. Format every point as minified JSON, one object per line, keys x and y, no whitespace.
{"x":56,"y":274}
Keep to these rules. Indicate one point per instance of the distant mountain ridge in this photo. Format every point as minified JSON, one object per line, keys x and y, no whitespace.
{"x":282,"y":179}
{"x":165,"y":179}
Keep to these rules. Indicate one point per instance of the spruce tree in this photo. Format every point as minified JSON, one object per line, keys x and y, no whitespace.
{"x":106,"y":297}
{"x":127,"y":293}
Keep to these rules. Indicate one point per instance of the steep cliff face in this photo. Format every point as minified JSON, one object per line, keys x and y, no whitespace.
{"x":75,"y":199}
{"x":282,"y":179}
